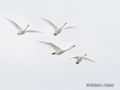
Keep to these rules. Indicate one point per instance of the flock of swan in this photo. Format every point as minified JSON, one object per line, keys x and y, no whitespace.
{"x":57,"y":50}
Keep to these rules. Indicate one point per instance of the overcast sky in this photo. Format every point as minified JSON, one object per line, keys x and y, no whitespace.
{"x":26,"y":64}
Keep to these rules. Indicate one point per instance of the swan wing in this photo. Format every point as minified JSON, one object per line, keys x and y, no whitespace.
{"x":89,"y":59}
{"x":51,"y":45}
{"x":70,"y":27}
{"x":16,"y":25}
{"x":33,"y":31}
{"x":49,"y":22}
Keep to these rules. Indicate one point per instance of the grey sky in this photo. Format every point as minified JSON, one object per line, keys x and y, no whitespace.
{"x":26,"y":64}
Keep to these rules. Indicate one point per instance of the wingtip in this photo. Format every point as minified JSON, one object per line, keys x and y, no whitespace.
{"x":99,"y":63}
{"x":43,"y":18}
{"x":6,"y":18}
{"x":40,"y":32}
{"x":41,"y":41}
{"x":73,"y":27}
{"x":68,"y":58}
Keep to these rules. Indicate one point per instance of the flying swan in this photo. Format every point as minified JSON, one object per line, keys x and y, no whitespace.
{"x":79,"y":59}
{"x":57,"y":30}
{"x":21,"y":31}
{"x":58,"y":51}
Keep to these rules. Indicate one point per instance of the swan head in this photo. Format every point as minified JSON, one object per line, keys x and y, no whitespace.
{"x":28,"y":25}
{"x":65,"y":22}
{"x":74,"y":45}
{"x":85,"y":55}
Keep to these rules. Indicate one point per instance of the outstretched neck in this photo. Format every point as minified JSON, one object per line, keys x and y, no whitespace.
{"x":69,"y":48}
{"x":63,"y":25}
{"x":26,"y":27}
{"x":84,"y":56}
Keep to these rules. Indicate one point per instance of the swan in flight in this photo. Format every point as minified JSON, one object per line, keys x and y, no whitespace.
{"x":21,"y":31}
{"x":57,"y":30}
{"x":58,"y":51}
{"x":79,"y":59}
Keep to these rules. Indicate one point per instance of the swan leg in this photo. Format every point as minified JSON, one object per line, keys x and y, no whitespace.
{"x":55,"y":34}
{"x":77,"y":62}
{"x":53,"y":53}
{"x":18,"y":34}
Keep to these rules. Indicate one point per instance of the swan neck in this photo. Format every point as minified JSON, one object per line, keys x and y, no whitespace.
{"x":26,"y":27}
{"x":69,"y":48}
{"x":83,"y":56}
{"x":63,"y":25}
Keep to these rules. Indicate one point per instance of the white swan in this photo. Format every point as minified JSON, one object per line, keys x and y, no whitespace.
{"x":57,"y":30}
{"x":79,"y":59}
{"x":21,"y":31}
{"x":58,"y":51}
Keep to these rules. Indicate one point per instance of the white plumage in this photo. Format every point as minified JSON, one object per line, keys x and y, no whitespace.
{"x":79,"y":59}
{"x":58,"y":50}
{"x":56,"y":29}
{"x":22,"y":31}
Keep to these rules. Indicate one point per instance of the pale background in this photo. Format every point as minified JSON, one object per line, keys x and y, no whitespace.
{"x":26,"y":64}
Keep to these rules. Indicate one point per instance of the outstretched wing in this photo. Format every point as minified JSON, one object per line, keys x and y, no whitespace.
{"x":89,"y":59}
{"x":17,"y":26}
{"x":33,"y":31}
{"x":49,"y":22}
{"x":70,"y":27}
{"x":51,"y":45}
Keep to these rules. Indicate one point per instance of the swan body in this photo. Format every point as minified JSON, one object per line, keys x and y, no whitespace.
{"x":57,"y":30}
{"x":20,"y":30}
{"x":58,"y":51}
{"x":79,"y":59}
